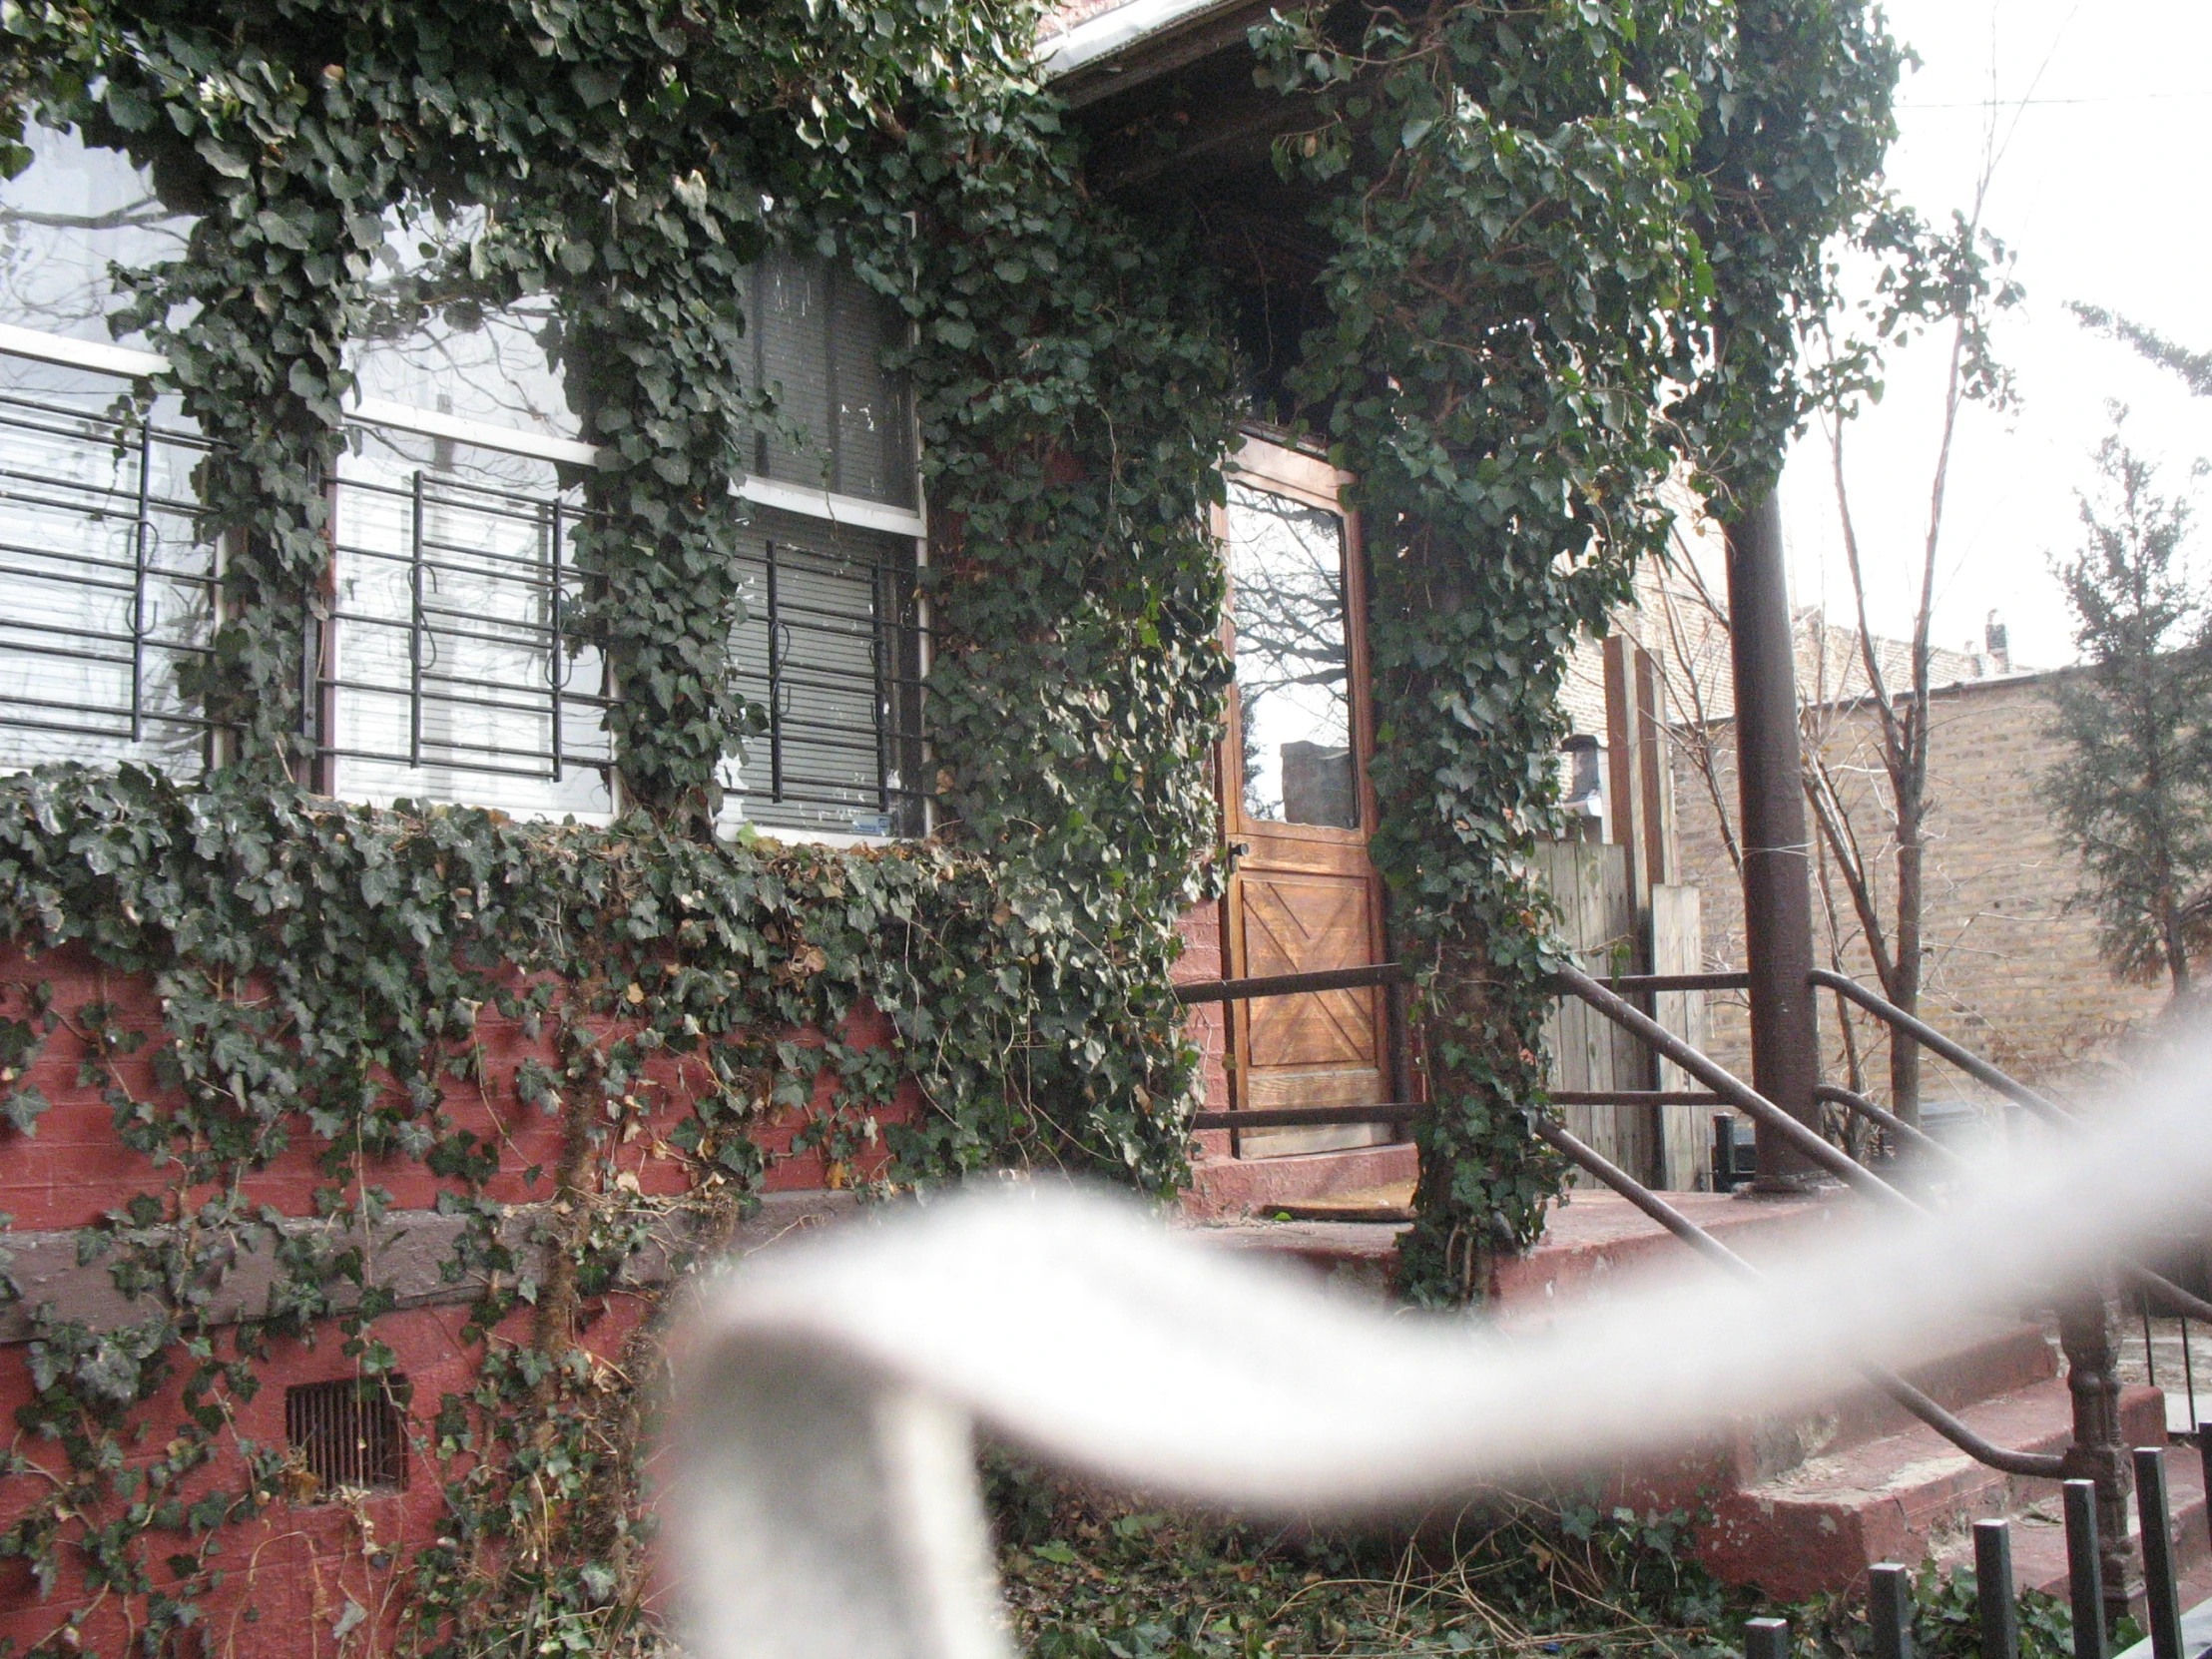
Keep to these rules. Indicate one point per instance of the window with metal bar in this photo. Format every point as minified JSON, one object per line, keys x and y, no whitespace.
{"x":439,"y":664}
{"x":107,"y":591}
{"x":450,"y":673}
{"x":830,"y":652}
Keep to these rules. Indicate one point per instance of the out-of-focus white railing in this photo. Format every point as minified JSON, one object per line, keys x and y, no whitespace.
{"x":824,"y":1501}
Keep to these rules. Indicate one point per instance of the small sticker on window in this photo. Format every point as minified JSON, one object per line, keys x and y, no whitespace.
{"x":878,"y":824}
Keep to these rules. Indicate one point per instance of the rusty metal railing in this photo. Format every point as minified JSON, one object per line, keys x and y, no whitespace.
{"x":2097,"y":1452}
{"x":1199,"y":992}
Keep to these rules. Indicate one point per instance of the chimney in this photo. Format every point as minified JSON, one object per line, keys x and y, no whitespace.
{"x":1992,"y":637}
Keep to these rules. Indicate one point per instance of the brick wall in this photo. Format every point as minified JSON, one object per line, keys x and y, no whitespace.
{"x":1204,"y":958}
{"x":304,"y":1560}
{"x":2012,"y":971}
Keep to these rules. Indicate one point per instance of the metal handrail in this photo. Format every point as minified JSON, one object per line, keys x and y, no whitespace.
{"x":1731,"y":1088}
{"x":1973,"y":1065}
{"x":1305,"y":1117}
{"x":1836,"y":1094}
{"x":2042,"y":1465}
{"x":2038,"y":1464}
{"x":2177,"y":1299}
{"x":1632,"y":1097}
{"x":1195,"y":991}
{"x":1631,"y":984}
{"x":1727,"y":1088}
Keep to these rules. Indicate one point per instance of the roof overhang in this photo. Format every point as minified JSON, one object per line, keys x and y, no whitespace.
{"x":1141,"y":41}
{"x":1114,"y":31}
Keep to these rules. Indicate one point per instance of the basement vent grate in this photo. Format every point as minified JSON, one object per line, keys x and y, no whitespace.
{"x":350,"y":1432}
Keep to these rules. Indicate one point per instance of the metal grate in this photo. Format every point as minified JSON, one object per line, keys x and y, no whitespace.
{"x":449,"y":668}
{"x":830,"y":648}
{"x":351,"y":1433}
{"x":107,"y":591}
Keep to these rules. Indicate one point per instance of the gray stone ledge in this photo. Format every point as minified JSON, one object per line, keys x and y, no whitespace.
{"x":412,"y":1248}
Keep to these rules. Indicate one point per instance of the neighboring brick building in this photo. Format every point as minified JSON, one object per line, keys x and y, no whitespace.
{"x":2013,"y":969}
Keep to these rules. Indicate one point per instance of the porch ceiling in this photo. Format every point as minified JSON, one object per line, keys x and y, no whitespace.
{"x":1164,"y":91}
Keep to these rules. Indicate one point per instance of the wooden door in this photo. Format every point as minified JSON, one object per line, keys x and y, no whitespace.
{"x":1296,"y":796}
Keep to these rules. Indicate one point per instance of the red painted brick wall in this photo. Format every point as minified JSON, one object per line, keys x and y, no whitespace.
{"x":301,"y":1564}
{"x":1202,"y":958}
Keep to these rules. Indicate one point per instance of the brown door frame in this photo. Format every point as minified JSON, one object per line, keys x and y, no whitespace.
{"x":1271,"y":465}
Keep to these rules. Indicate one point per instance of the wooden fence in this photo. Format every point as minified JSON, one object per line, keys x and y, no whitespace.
{"x":1667,"y":1147}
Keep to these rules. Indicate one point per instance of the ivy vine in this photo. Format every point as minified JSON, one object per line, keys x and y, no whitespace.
{"x":1574,"y":248}
{"x":1573,"y":243}
{"x":323,"y":971}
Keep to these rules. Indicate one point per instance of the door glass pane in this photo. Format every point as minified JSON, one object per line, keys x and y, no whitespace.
{"x":1294,"y":683}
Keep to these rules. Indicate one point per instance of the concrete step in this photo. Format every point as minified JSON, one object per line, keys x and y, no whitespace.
{"x":1590,"y":1246}
{"x":1899,"y":1496}
{"x":1999,"y":1357}
{"x":1370,"y":1204}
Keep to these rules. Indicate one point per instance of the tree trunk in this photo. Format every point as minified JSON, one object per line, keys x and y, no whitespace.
{"x":1905,"y":1053}
{"x":2177,"y":947}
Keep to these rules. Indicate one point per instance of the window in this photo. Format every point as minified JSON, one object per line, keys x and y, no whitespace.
{"x":351,"y":1433}
{"x":815,"y":337}
{"x":447,"y":670}
{"x":432,"y":343}
{"x":442,"y":663}
{"x":830,"y":648}
{"x":64,"y":221}
{"x":107,"y":593}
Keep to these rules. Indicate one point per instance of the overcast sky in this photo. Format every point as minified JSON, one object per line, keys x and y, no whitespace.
{"x":2103,"y":192}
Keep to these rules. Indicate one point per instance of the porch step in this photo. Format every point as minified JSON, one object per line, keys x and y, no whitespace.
{"x":1358,"y":1252}
{"x":1221,"y":1188}
{"x":1999,"y":1359}
{"x":2039,"y":1534}
{"x":1381,"y":1204}
{"x":1898,"y":1497}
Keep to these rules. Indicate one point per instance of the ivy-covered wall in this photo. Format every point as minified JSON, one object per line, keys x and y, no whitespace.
{"x":1573,"y":244}
{"x":299,"y":1010}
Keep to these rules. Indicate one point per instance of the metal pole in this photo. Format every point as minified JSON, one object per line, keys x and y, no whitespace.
{"x":2204,"y":1457}
{"x":1890,"y":1610}
{"x":414,"y":627}
{"x":141,"y":532}
{"x":775,"y":684}
{"x":555,"y":676}
{"x":1766,"y":1639}
{"x":2084,"y":1570}
{"x":1992,"y":1589}
{"x":1777,"y":903}
{"x":2164,"y":1605}
{"x":2099,"y":1451}
{"x":2188,"y":1374}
